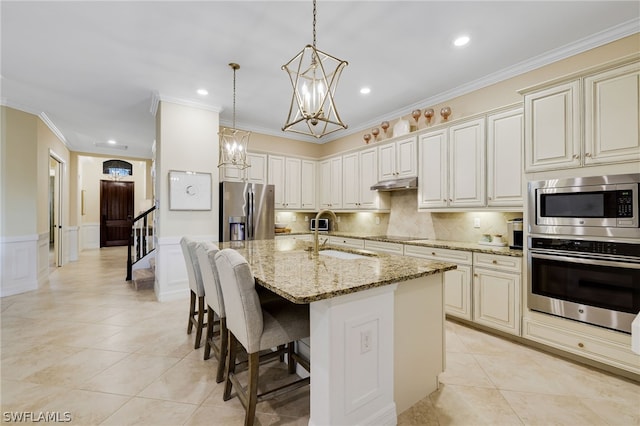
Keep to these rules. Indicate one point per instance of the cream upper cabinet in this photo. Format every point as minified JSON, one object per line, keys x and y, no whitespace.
{"x":467,"y":178}
{"x":330,"y":183}
{"x":257,"y":173}
{"x":552,"y":127}
{"x":612,"y":111}
{"x":359,"y":174}
{"x":284,"y":174}
{"x":504,"y":158}
{"x":452,"y":166}
{"x":397,"y":159}
{"x":433,"y":171}
{"x":308,"y":185}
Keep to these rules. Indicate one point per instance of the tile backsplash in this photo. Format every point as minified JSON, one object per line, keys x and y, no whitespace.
{"x":405,"y":221}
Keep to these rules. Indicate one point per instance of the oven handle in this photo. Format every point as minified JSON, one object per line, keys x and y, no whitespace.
{"x":586,"y":261}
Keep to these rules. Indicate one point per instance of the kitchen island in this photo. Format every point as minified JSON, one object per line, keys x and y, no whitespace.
{"x":377,"y":325}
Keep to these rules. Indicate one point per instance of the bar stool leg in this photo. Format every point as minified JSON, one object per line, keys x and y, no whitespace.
{"x":252,"y":389}
{"x":200,"y":321}
{"x":224,"y":338}
{"x":192,"y":312}
{"x":230,"y":367}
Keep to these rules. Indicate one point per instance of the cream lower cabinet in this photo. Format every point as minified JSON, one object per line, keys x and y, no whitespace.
{"x":355,"y":243}
{"x":496,"y":291}
{"x":457,"y":283}
{"x":383,"y":247}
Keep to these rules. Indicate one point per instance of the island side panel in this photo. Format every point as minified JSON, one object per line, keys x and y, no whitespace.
{"x":419,"y":339}
{"x":352,"y":359}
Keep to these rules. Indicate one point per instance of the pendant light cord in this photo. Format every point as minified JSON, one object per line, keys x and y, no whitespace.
{"x":314,"y":24}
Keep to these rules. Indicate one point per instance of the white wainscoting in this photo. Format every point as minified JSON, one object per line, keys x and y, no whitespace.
{"x":21,"y":264}
{"x":71,"y":246}
{"x":172,"y":282}
{"x":90,"y":236}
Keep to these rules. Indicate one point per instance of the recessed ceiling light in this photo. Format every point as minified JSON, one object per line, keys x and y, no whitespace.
{"x":203,"y":92}
{"x":461,"y":41}
{"x":365,"y":90}
{"x":112,"y":142}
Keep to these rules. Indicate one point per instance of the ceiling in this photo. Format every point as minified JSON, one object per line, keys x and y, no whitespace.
{"x":91,"y":69}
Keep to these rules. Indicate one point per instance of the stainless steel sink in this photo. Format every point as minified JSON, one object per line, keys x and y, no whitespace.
{"x":341,"y":254}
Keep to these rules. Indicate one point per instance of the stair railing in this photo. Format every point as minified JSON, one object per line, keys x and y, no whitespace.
{"x":142,"y":240}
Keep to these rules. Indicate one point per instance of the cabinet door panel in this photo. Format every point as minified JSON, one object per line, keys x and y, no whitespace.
{"x":292,"y":183}
{"x":387,"y":162}
{"x":257,"y":173}
{"x":504,"y":158}
{"x":325,"y":184}
{"x":276,"y":178}
{"x":496,"y":299}
{"x":433,"y":170}
{"x":612,"y":128}
{"x":552,"y":128}
{"x":406,"y":158}
{"x":308,"y":183}
{"x":466,"y":164}
{"x":336,"y":183}
{"x":350,"y":181}
{"x":457,"y":292}
{"x":368,"y":172}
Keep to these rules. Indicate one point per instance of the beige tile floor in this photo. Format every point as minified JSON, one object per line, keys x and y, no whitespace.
{"x":88,"y":344}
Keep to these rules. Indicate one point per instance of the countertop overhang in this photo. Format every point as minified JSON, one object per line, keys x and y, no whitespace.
{"x":290,"y":270}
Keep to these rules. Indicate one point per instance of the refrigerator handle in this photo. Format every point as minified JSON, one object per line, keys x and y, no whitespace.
{"x":249,"y":224}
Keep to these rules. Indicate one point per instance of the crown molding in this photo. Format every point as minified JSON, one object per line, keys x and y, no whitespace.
{"x":591,"y":42}
{"x":157,"y":97}
{"x":41,"y":115}
{"x":46,"y":120}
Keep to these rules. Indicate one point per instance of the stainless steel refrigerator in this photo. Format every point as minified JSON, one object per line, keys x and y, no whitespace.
{"x":247,"y":211}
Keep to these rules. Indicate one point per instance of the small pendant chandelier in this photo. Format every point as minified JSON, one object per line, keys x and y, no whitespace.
{"x":314,"y":76}
{"x":233,"y":142}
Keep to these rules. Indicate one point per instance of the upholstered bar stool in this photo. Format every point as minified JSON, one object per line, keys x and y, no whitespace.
{"x":256,"y":327}
{"x":215,"y":340}
{"x":196,"y":315}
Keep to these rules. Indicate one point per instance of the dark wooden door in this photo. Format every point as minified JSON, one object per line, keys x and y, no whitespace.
{"x":116,"y":213}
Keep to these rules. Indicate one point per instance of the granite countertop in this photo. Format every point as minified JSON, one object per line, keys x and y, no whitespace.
{"x":287,"y":268}
{"x":452,"y":245}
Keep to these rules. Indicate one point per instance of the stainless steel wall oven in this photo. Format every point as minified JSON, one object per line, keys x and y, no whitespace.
{"x":584,"y":250}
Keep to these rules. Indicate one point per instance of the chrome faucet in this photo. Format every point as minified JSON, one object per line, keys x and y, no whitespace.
{"x":315,"y":233}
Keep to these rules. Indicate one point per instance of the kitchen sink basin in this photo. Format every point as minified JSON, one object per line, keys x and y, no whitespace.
{"x":341,"y":254}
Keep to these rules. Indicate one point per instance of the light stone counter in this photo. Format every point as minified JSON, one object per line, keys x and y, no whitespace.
{"x":287,"y":268}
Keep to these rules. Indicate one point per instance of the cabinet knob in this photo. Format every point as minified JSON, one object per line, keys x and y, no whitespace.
{"x":576,"y":156}
{"x":444,"y":199}
{"x":495,"y":262}
{"x":588,"y":154}
{"x":433,"y":253}
{"x":450,"y":200}
{"x":475,"y":275}
{"x":581,"y":345}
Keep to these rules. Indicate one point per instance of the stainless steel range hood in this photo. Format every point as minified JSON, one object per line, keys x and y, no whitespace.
{"x":396,"y":184}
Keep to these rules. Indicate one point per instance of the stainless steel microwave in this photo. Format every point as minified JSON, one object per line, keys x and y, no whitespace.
{"x":604,"y":206}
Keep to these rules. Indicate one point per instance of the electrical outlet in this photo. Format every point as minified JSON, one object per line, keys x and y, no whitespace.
{"x":365,"y":341}
{"x":294,"y":218}
{"x":338,"y":219}
{"x":476,"y":222}
{"x":377,"y":220}
{"x":306,"y":218}
{"x":277,"y":218}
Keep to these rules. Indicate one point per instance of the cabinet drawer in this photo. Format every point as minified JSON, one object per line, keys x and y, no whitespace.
{"x":347,"y":242}
{"x":383,"y":246}
{"x":440,"y":254}
{"x":503,"y":263}
{"x":607,"y":352}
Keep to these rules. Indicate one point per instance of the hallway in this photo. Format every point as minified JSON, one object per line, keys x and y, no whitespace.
{"x":89,"y":345}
